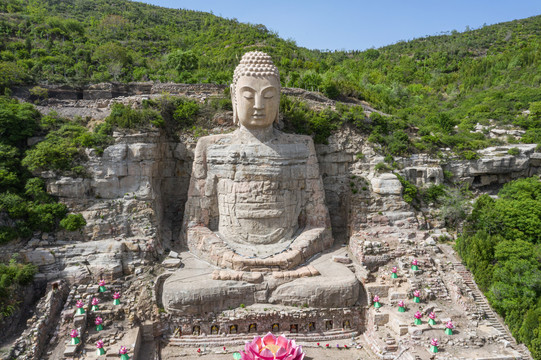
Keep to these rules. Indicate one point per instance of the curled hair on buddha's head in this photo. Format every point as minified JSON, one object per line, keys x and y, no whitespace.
{"x":257,"y":64}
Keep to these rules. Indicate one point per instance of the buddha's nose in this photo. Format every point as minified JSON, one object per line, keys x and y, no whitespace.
{"x":259,"y":103}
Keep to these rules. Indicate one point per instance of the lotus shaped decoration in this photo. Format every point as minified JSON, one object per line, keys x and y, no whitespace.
{"x":271,"y":347}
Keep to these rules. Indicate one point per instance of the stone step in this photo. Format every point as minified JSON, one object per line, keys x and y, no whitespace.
{"x":220,"y":340}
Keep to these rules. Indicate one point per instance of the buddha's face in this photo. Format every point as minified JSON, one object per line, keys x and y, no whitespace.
{"x":258,"y":101}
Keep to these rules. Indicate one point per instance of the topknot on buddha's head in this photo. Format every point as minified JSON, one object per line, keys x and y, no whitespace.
{"x":255,"y":63}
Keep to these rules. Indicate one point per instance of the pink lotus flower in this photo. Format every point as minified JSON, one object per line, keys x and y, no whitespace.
{"x":434,"y":342}
{"x":394,"y":270}
{"x":101,"y":282}
{"x":418,"y":315}
{"x":271,"y":347}
{"x":449,"y":325}
{"x":95,"y":301}
{"x":414,"y":262}
{"x":98,"y":321}
{"x":123,"y":350}
{"x":116,"y":295}
{"x":74,"y":333}
{"x":376,"y":298}
{"x":416,"y":293}
{"x":432,"y":315}
{"x":79,"y":304}
{"x":401,"y":303}
{"x":99,"y":344}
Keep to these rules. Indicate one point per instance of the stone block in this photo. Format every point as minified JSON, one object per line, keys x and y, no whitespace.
{"x":399,"y":327}
{"x":341,"y":259}
{"x":70,"y":350}
{"x":260,"y":296}
{"x":115,"y":153}
{"x":386,"y":184}
{"x":142,"y":151}
{"x":381,"y":319}
{"x":171,"y":263}
{"x":107,"y":188}
{"x":379,"y":290}
{"x":80,"y":320}
{"x":397,"y":296}
{"x":39,"y":257}
{"x":69,"y":187}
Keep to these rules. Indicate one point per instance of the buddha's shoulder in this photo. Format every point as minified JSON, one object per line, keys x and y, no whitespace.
{"x":213,"y":139}
{"x":288,"y":138}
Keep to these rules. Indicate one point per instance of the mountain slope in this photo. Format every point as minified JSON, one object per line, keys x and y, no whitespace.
{"x":437,"y":88}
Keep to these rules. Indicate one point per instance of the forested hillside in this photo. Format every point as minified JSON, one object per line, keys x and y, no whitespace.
{"x":489,"y":75}
{"x":501,"y":245}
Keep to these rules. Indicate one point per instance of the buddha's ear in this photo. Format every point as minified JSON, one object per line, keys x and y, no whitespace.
{"x":277,"y":120}
{"x":234,"y":104}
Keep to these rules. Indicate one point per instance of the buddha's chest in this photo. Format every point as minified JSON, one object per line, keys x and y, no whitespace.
{"x":280,"y":166}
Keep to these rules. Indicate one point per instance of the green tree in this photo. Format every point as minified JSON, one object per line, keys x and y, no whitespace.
{"x":17,"y":121}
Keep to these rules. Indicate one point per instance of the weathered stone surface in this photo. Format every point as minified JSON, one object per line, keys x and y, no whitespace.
{"x":193,"y":291}
{"x":38,"y":257}
{"x":386,"y":184}
{"x":67,"y":187}
{"x":424,"y":175}
{"x":337,"y":286}
{"x":171,"y":263}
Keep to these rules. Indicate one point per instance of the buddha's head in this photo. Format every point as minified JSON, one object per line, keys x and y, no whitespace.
{"x":255,"y":91}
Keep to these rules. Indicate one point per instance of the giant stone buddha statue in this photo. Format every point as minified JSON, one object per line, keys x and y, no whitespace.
{"x":256,"y":217}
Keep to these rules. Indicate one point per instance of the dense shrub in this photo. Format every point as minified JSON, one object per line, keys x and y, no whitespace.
{"x":186,"y":112}
{"x":73,"y":222}
{"x":501,"y":245}
{"x":513,"y":151}
{"x":23,"y":197}
{"x":299,"y":118}
{"x":434,"y":194}
{"x":409,"y":191}
{"x":125,"y":117}
{"x":13,"y":275}
{"x":17,"y":121}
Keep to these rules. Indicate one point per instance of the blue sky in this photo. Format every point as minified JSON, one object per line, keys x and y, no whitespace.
{"x":359,"y":24}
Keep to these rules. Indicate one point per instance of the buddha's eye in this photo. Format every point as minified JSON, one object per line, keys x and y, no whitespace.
{"x":247,"y":94}
{"x":268,"y":95}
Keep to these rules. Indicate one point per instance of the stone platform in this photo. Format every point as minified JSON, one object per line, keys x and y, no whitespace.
{"x":235,"y":326}
{"x":324,"y":282}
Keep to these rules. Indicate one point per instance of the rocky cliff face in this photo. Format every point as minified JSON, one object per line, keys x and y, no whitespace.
{"x":133,"y":197}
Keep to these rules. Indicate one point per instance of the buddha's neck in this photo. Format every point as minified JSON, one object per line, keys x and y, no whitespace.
{"x":262,"y":135}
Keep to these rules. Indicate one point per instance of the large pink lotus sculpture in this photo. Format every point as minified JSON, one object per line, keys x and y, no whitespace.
{"x":271,"y":347}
